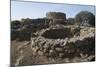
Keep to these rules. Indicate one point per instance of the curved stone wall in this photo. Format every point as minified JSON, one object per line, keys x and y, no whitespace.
{"x":57,"y":33}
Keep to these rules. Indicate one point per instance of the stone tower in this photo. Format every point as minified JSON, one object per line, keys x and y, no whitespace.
{"x":56,"y":17}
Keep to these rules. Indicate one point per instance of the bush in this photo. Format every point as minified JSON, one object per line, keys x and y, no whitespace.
{"x":85,"y":17}
{"x":15,"y":24}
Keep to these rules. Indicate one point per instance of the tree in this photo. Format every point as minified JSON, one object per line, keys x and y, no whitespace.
{"x":26,"y":21}
{"x":15,"y":24}
{"x":84,"y":18}
{"x":71,"y":20}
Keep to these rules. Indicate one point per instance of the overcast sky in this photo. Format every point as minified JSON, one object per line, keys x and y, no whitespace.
{"x":33,"y":10}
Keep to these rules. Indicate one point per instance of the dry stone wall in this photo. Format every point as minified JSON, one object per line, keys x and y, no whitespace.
{"x":67,"y":47}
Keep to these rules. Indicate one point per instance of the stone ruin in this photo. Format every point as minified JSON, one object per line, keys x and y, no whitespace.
{"x":56,"y":17}
{"x":58,"y":42}
{"x":57,"y":33}
{"x":61,"y":41}
{"x":51,"y":19}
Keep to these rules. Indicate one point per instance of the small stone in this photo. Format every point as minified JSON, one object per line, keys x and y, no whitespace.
{"x":45,"y":46}
{"x":61,"y":54}
{"x":44,"y":50}
{"x":51,"y":51}
{"x":70,"y":51}
{"x":66,"y":60}
{"x":40,"y":53}
{"x":35,"y":49}
{"x":59,"y":49}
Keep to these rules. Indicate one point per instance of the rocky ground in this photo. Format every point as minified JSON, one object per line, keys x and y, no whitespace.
{"x":56,"y":44}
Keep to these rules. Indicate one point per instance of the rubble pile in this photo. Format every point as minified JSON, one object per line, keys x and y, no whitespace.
{"x":56,"y":43}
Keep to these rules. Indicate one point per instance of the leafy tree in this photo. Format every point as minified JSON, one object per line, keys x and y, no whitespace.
{"x":71,"y":20}
{"x":15,"y":24}
{"x":26,"y":21}
{"x":85,"y":17}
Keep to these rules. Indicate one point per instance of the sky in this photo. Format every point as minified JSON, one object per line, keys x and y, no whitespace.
{"x":32,"y":10}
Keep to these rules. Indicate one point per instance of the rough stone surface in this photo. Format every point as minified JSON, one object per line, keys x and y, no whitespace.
{"x":56,"y":15}
{"x":67,"y":47}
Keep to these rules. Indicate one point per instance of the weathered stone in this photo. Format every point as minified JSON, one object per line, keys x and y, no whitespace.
{"x":40,"y":53}
{"x":57,"y":33}
{"x":61,"y":55}
{"x":56,"y":15}
{"x":67,"y":47}
{"x":51,"y":51}
{"x":59,"y":49}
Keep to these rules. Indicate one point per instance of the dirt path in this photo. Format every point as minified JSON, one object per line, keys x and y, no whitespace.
{"x":20,"y":53}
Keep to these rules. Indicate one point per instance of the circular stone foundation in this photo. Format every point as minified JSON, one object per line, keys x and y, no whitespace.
{"x":57,"y":33}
